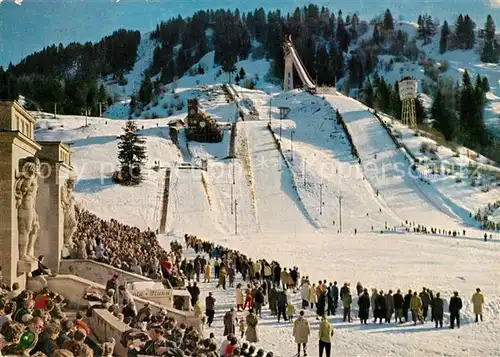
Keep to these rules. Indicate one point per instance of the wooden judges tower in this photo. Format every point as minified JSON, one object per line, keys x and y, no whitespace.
{"x":201,"y":127}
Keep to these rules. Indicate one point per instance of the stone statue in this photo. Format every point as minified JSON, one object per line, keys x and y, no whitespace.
{"x":68,"y":205}
{"x":26,"y":188}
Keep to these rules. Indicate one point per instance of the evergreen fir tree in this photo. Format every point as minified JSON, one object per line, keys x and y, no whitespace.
{"x":445,"y":118}
{"x":420,"y":113}
{"x":466,"y":108}
{"x":131,"y":154}
{"x":443,"y":42}
{"x":460,"y":32}
{"x":388,"y":22}
{"x":469,"y":36}
{"x":242,"y":73}
{"x":489,"y":29}
{"x":490,"y":52}
{"x":485,"y":84}
{"x":377,"y":38}
{"x":396,"y":105}
{"x":369,"y":95}
{"x":146,"y":90}
{"x":383,"y":97}
{"x":102,"y":96}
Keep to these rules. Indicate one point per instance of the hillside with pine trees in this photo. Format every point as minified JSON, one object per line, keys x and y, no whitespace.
{"x":359,"y":56}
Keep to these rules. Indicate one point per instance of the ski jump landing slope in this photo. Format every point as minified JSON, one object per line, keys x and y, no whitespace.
{"x":279,"y":208}
{"x":390,"y":173}
{"x":189,"y":208}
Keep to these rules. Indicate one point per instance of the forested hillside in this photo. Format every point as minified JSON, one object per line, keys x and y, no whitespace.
{"x":336,"y":49}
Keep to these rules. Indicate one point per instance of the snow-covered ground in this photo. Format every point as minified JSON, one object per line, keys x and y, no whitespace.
{"x":94,"y":158}
{"x":382,"y":261}
{"x":450,"y":171}
{"x":456,"y":62}
{"x":277,"y":217}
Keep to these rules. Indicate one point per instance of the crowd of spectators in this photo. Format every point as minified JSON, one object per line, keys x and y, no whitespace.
{"x":38,"y":324}
{"x":124,"y":247}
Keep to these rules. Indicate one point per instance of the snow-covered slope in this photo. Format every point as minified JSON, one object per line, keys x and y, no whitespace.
{"x":385,"y":261}
{"x":389,"y":170}
{"x":278,"y":218}
{"x":455,"y":62}
{"x":94,"y":158}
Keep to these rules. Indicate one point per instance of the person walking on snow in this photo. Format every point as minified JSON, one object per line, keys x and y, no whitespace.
{"x":208,"y":273}
{"x":398,"y":307}
{"x":416,"y":307}
{"x":438,"y":310}
{"x":216,"y":268}
{"x":364,"y":306}
{"x":304,"y":293}
{"x":406,"y":304}
{"x":335,"y":294}
{"x":329,"y":296}
{"x":210,"y":308}
{"x":325,"y":337}
{"x":239,"y":298}
{"x":478,"y":301}
{"x":389,"y":306}
{"x":251,"y":333}
{"x":347,"y":301}
{"x":282,"y":304}
{"x":426,"y":300}
{"x":290,"y":310}
{"x":454,"y":307}
{"x":301,"y":332}
{"x":313,"y":298}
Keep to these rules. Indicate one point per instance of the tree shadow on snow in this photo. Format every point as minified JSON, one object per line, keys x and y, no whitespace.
{"x":96,"y":140}
{"x":93,"y":185}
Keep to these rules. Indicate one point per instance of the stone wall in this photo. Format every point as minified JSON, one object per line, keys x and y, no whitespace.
{"x":73,"y":288}
{"x":97,"y":272}
{"x":106,"y":327}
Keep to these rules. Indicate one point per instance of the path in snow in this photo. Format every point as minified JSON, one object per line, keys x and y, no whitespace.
{"x":278,"y":204}
{"x":390,"y":173}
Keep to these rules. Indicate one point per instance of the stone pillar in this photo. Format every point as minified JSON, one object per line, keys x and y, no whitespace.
{"x":56,"y":170}
{"x":16,"y":143}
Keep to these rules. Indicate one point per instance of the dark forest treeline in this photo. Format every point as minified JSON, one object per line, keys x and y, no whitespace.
{"x":67,"y":75}
{"x":319,"y":36}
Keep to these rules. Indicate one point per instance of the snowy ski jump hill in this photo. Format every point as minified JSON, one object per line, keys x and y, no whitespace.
{"x":285,"y":206}
{"x":308,"y":203}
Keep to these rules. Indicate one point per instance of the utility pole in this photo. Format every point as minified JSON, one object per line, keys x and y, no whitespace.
{"x":235,"y":217}
{"x":305,"y":170}
{"x":320,"y":199}
{"x":280,"y":125}
{"x":233,"y":173}
{"x":100,"y":109}
{"x":340,"y":213}
{"x":291,"y":143}
{"x":55,"y":110}
{"x":270,"y":110}
{"x":232,"y":199}
{"x":86,"y":115}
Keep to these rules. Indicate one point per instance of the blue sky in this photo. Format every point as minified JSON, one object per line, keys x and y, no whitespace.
{"x":39,"y":23}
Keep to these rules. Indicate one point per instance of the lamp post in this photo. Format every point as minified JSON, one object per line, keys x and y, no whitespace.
{"x":270,"y":110}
